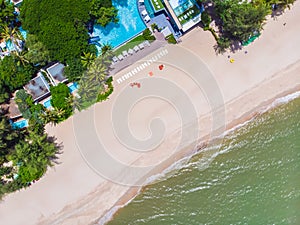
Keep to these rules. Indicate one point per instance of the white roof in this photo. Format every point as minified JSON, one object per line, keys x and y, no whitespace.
{"x":191,"y":23}
{"x":174,"y":3}
{"x":166,"y":31}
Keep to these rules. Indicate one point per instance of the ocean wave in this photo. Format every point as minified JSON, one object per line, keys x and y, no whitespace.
{"x":210,"y":153}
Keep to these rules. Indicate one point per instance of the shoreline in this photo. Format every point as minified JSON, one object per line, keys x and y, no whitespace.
{"x":268,"y":72}
{"x":263,"y":107}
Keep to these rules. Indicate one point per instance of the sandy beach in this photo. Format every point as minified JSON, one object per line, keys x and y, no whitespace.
{"x":88,"y":183}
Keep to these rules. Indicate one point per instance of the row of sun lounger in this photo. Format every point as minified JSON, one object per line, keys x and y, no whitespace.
{"x":186,"y":15}
{"x":130,"y":51}
{"x":145,"y":15}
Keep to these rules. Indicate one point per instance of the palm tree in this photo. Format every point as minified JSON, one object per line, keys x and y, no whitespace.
{"x":21,"y":57}
{"x":12,"y":35}
{"x":87,"y":59}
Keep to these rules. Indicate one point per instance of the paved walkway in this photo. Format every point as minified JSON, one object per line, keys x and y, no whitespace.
{"x":131,"y":59}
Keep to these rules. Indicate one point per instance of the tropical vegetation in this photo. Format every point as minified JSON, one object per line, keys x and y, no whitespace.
{"x":240,"y":20}
{"x":25,"y":154}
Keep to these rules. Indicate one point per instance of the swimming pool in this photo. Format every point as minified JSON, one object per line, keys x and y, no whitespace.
{"x":73,"y":87}
{"x":47,"y":104}
{"x":20,"y":124}
{"x":149,"y":8}
{"x":130,"y":24}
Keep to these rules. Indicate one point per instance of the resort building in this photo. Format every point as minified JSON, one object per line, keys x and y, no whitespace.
{"x":186,"y":13}
{"x":55,"y":73}
{"x":38,"y":87}
{"x":182,"y":14}
{"x":17,"y":2}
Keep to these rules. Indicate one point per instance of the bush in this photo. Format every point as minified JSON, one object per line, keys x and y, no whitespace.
{"x":205,"y":18}
{"x":103,"y":97}
{"x":60,"y":100}
{"x":171,"y":39}
{"x":222,"y":44}
{"x":147,"y":34}
{"x":154,"y":26}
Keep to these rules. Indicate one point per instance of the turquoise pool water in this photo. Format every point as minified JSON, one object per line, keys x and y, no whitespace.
{"x":73,"y":87}
{"x":20,"y":124}
{"x":23,"y":32}
{"x":130,"y":24}
{"x":47,"y":103}
{"x":149,"y":8}
{"x":10,"y":45}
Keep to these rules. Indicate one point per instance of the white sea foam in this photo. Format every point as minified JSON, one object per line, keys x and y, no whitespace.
{"x":210,"y":153}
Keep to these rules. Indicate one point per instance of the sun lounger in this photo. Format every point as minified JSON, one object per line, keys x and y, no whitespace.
{"x":136,"y":48}
{"x":120,"y":57}
{"x":185,"y":16}
{"x":124,"y":53}
{"x":130,"y":51}
{"x":115,"y":59}
{"x":141,"y":1}
{"x":147,"y":19}
{"x":144,"y":12}
{"x":141,"y":46}
{"x":146,"y":43}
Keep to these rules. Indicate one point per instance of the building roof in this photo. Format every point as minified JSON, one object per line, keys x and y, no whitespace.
{"x":166,"y":31}
{"x":13,"y":110}
{"x":56,"y":73}
{"x":185,"y":13}
{"x":17,"y":1}
{"x":38,"y":87}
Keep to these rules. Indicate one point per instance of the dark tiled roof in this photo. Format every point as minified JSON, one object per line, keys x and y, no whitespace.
{"x":13,"y":110}
{"x":57,"y":72}
{"x":37,"y":87}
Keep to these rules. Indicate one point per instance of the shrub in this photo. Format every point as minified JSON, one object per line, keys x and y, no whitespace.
{"x":103,"y":97}
{"x":171,"y":39}
{"x":205,"y":18}
{"x":147,"y":34}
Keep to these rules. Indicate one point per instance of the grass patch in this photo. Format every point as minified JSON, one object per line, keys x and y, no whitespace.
{"x":146,"y":35}
{"x":171,"y":39}
{"x":157,"y":6}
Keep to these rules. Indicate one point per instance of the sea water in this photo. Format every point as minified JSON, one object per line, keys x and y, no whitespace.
{"x":254,"y":179}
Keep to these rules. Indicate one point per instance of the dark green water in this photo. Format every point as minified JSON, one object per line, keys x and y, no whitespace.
{"x":254,"y":179}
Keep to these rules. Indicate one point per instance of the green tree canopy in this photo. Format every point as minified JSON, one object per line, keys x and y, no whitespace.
{"x":14,"y":75}
{"x":60,"y":99}
{"x":37,"y":53}
{"x":6,"y":13}
{"x":59,"y":25}
{"x":33,"y":155}
{"x":241,"y":19}
{"x":103,"y":12}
